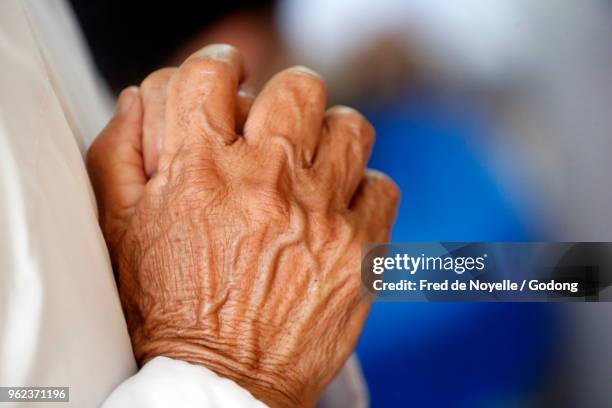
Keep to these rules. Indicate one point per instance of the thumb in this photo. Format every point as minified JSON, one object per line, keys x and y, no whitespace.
{"x":115,"y":165}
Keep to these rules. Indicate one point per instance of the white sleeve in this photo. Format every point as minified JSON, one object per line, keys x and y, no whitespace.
{"x":164,"y":382}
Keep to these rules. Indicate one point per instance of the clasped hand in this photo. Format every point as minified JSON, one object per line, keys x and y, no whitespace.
{"x":234,"y":223}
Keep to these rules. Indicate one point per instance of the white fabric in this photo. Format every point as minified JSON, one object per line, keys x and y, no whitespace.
{"x":169,"y":383}
{"x":61,"y":322}
{"x":60,"y":319}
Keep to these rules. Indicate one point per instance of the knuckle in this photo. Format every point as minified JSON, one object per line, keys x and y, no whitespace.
{"x":189,"y":166}
{"x":392,"y":190}
{"x":352,"y":133}
{"x":384,"y":185}
{"x":195,"y":68}
{"x":348,"y":119}
{"x":265,"y":203}
{"x":307,"y":83}
{"x":157,"y":80}
{"x":190,"y":192}
{"x":191,"y":157}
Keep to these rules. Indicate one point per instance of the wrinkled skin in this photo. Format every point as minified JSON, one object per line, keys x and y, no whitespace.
{"x":237,"y":245}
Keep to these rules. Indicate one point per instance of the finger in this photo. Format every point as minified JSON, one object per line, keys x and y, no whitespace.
{"x":115,"y":164}
{"x":243,"y":107}
{"x":374,"y":206}
{"x":344,"y":150}
{"x":290,"y":109}
{"x":154,"y":93}
{"x":202,"y":99}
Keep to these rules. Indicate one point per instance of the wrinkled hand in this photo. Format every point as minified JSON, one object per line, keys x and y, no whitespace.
{"x":242,"y":251}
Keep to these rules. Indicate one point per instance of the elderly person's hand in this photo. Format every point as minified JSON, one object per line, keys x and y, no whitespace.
{"x":242,"y":251}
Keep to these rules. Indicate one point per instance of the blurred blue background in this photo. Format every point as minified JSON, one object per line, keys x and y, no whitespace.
{"x":456,"y":354}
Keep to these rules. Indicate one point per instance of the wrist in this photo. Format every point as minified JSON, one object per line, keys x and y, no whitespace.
{"x":276,"y":388}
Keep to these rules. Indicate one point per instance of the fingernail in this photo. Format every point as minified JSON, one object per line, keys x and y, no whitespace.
{"x":342,"y":110}
{"x":305,"y":70}
{"x":246,"y":94}
{"x":126,"y":100}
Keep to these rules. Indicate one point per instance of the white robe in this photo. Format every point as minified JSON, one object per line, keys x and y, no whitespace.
{"x":61,"y":322}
